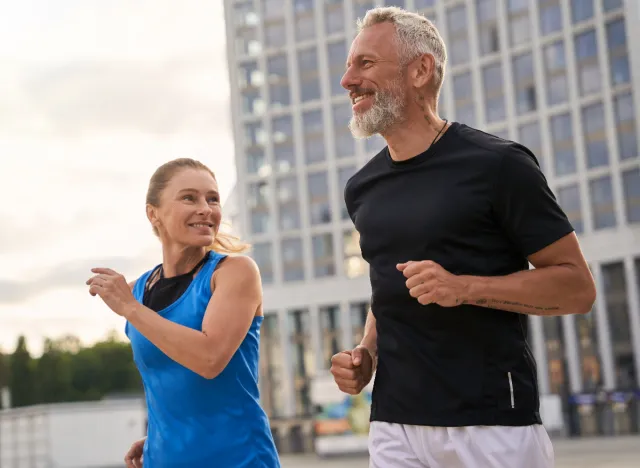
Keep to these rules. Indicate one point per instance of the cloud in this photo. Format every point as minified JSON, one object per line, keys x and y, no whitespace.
{"x":70,"y":275}
{"x":177,"y":96}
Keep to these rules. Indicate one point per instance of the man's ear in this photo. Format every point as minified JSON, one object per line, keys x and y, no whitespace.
{"x":423,"y":69}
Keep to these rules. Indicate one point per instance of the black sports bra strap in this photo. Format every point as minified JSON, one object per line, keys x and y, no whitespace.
{"x":199,"y":264}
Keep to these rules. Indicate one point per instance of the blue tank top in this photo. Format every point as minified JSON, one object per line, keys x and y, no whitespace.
{"x":196,"y":422}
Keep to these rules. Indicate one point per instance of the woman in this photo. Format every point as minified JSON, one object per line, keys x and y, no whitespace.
{"x":194,"y":323}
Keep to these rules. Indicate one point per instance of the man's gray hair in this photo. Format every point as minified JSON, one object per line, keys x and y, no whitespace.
{"x":415,"y":35}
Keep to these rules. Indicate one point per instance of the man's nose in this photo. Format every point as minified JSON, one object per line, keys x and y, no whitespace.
{"x":350,"y":79}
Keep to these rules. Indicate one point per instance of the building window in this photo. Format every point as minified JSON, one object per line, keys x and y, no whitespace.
{"x":631,"y":189}
{"x":463,"y":95}
{"x":493,"y":93}
{"x":301,"y":358}
{"x":271,"y":369}
{"x":569,"y":200}
{"x":608,"y":5}
{"x":273,"y":15}
{"x":309,"y":75}
{"x":247,"y":43}
{"x":458,"y":44}
{"x":556,"y":73}
{"x":624,"y":114}
{"x":421,"y":4}
{"x":344,"y":174}
{"x":313,"y":128}
{"x":360,"y":8}
{"x":587,"y":63}
{"x":249,"y":76}
{"x":550,"y":16}
{"x":487,"y":26}
{"x":556,"y":354}
{"x":319,"y":205}
{"x":502,"y":133}
{"x":519,"y":22}
{"x":524,"y":83}
{"x":245,"y":14}
{"x":586,"y":331}
{"x":292,"y":260}
{"x":283,"y":147}
{"x":618,"y":56}
{"x":344,"y":143}
{"x":354,"y":264}
{"x":581,"y":10}
{"x":330,"y":329}
{"x":564,"y":158}
{"x":288,"y":207}
{"x":615,"y":291}
{"x":255,"y":140}
{"x":252,"y":102}
{"x":275,"y":34}
{"x":529,"y":136}
{"x":323,"y":261}
{"x":602,"y":205}
{"x":595,"y":138}
{"x":256,"y":161}
{"x":305,"y":19}
{"x":358,"y":312}
{"x":337,"y":56}
{"x":272,"y":9}
{"x":278,"y":78}
{"x":263,"y":256}
{"x":258,"y":202}
{"x":334,"y":16}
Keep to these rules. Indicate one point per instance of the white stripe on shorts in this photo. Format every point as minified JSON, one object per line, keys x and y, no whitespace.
{"x":405,"y":446}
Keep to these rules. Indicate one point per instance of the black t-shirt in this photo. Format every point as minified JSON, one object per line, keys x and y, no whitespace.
{"x":477,"y":205}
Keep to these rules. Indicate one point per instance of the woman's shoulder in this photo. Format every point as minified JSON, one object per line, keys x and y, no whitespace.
{"x":237,"y":266}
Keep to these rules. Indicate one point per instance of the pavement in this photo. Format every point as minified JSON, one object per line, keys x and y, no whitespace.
{"x":613,"y":452}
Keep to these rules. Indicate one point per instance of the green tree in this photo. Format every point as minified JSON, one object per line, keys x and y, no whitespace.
{"x":119,"y":373}
{"x":22,"y":383}
{"x":4,"y":373}
{"x":53,"y":373}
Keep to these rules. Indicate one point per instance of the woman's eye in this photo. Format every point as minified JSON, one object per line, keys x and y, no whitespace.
{"x":188,"y":197}
{"x":213,"y":200}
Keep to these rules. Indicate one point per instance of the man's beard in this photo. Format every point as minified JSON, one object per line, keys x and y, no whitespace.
{"x":387,"y":110}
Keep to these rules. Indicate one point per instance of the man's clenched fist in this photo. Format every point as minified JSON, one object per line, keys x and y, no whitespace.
{"x":352,"y":370}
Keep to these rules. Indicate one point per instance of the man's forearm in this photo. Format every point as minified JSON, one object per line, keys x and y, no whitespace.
{"x":553,"y":290}
{"x":370,"y":336}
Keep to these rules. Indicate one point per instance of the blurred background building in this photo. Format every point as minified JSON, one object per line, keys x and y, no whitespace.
{"x":560,"y":76}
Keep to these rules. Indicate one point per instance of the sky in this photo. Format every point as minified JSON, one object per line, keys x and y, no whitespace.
{"x":94,"y":96}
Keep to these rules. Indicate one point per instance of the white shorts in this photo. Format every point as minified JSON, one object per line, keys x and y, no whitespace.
{"x":404,"y":446}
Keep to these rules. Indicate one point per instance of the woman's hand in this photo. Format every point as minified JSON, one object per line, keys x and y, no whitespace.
{"x":133,"y":458}
{"x":113,"y":289}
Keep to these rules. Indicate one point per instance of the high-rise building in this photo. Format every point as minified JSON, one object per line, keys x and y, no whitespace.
{"x":560,"y":76}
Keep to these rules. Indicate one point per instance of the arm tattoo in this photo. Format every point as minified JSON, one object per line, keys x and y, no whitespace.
{"x":488,"y":303}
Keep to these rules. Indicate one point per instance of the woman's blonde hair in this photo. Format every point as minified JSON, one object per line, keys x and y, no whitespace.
{"x":223,"y":242}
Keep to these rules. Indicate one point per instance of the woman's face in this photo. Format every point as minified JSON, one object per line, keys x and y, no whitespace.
{"x":189,"y":213}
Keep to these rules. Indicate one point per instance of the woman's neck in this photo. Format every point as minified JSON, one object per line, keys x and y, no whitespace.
{"x":179,"y":260}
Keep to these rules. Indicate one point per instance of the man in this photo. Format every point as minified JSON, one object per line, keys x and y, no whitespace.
{"x":449,"y":219}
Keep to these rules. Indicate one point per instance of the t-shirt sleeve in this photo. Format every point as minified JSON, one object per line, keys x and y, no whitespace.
{"x":525,"y":206}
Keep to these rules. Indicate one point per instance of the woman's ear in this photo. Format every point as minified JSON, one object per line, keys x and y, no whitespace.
{"x":152,"y":215}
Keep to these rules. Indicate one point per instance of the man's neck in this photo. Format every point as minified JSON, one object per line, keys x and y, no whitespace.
{"x":415,"y":134}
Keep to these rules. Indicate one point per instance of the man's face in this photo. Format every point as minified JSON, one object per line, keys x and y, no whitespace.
{"x":375,"y":81}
